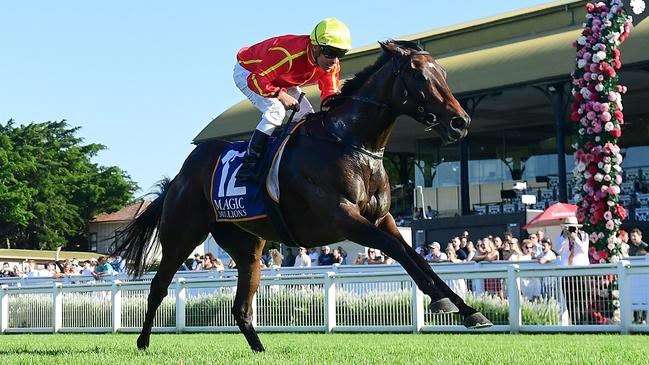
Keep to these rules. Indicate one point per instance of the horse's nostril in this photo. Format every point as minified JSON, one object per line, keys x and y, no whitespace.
{"x":458,"y":123}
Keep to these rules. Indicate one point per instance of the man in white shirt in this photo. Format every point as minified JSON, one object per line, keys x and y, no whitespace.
{"x":573,"y":251}
{"x":548,"y":255}
{"x":302,"y":259}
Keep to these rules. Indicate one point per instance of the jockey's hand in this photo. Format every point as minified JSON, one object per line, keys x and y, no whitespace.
{"x":288,"y":101}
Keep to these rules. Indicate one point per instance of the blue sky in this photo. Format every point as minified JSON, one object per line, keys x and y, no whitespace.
{"x":145,"y":77}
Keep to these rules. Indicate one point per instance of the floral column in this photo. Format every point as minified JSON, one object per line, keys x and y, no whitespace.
{"x":597,"y":114}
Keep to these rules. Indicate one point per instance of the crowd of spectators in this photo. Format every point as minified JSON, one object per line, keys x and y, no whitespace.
{"x":97,"y":268}
{"x":535,"y":246}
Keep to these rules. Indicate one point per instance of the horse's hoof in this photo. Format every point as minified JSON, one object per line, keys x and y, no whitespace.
{"x":142,"y":343}
{"x":442,"y":306}
{"x":477,"y":320}
{"x":259,"y":348}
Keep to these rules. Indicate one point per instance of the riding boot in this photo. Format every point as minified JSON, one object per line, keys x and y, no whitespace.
{"x":249,"y":170}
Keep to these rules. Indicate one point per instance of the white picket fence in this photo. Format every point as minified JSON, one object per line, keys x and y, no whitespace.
{"x":326,"y":299}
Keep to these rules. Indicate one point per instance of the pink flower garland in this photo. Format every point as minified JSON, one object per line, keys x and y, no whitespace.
{"x":597,"y":114}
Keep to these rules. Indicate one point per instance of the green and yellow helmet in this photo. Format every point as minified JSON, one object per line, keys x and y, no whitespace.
{"x":333,"y":33}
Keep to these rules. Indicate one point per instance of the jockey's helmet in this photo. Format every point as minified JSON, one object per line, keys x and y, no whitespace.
{"x":332,"y":32}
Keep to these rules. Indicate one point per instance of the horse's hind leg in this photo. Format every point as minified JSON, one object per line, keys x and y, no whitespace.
{"x":182,"y":227}
{"x":246,"y":250}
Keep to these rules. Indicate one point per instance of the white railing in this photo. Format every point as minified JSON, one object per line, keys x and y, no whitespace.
{"x":343,"y":299}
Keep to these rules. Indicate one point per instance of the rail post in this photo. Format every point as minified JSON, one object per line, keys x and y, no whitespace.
{"x":329,"y":301}
{"x":514,"y":297}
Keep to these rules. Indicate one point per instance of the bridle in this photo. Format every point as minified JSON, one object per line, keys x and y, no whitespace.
{"x":422,"y":116}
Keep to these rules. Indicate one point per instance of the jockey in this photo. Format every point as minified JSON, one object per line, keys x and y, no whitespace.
{"x":271,"y":72}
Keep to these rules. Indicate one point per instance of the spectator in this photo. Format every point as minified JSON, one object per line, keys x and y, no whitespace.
{"x":637,"y":247}
{"x":359,"y":260}
{"x":471,"y":248}
{"x":314,"y":255}
{"x":464,"y":244}
{"x":337,"y":256}
{"x":498,"y":243}
{"x":436,"y":255}
{"x":624,"y":245}
{"x":87,"y":268}
{"x":527,"y":249}
{"x":208,"y":261}
{"x":421,"y":249}
{"x":102,"y":269}
{"x":302,"y":259}
{"x":573,"y":250}
{"x":451,"y":256}
{"x":486,"y":251}
{"x":18,"y":272}
{"x":118,"y":263}
{"x":540,"y":234}
{"x":217,"y":264}
{"x":507,"y":236}
{"x":197,"y":264}
{"x":232,"y":264}
{"x":326,"y":258}
{"x":276,"y":258}
{"x":6,"y":271}
{"x":31,"y":270}
{"x":289,"y":258}
{"x":50,"y":271}
{"x":343,"y":253}
{"x":461,"y":255}
{"x":506,"y":250}
{"x":547,"y":255}
{"x":68,"y":270}
{"x":372,"y":258}
{"x":387,"y":260}
{"x":430,"y":213}
{"x":536,"y":247}
{"x":419,"y":214}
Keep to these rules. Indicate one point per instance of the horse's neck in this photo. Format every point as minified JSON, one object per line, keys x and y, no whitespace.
{"x":366,"y":120}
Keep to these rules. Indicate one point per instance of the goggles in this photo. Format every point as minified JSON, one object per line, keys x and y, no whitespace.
{"x":332,"y":52}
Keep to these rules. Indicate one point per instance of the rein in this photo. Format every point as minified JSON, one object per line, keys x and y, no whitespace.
{"x":422,"y":116}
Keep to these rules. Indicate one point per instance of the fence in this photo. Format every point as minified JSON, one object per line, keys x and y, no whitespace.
{"x":365,"y":299}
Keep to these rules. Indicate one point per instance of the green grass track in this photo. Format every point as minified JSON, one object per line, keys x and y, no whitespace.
{"x":356,"y":349}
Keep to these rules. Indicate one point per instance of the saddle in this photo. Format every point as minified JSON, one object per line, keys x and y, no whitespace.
{"x":237,"y":201}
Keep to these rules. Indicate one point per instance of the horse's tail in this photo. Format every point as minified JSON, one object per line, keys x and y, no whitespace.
{"x":140,"y":235}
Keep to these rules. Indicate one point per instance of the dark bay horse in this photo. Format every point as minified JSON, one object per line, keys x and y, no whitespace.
{"x":334,"y":187}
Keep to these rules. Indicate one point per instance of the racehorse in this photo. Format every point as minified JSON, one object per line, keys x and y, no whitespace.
{"x":333,"y":184}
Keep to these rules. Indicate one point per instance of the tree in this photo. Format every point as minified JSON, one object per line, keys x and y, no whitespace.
{"x":49,"y":187}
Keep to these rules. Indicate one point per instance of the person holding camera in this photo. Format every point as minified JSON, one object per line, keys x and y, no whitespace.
{"x":572,"y":243}
{"x":573,"y":251}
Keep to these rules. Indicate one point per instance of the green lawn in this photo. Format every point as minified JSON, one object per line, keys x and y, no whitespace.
{"x":357,"y":349}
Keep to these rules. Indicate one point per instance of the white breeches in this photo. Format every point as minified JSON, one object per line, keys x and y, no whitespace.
{"x":272,"y":110}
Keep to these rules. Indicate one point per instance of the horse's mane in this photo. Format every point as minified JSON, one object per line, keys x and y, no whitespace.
{"x":352,"y":85}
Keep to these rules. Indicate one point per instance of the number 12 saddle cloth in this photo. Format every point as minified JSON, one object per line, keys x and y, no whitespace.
{"x":235,"y":200}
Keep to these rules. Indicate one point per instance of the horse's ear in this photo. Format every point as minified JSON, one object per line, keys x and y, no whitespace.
{"x":384,"y":45}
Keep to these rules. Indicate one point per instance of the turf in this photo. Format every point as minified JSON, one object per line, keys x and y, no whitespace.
{"x":318,"y":349}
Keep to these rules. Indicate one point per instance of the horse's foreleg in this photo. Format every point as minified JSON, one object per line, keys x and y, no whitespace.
{"x":472,"y":317}
{"x":387,"y":238}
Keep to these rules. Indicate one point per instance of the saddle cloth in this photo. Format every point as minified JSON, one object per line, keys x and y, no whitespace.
{"x":235,"y":200}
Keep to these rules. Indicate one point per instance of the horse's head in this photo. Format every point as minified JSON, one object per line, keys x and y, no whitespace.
{"x":421,"y":91}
